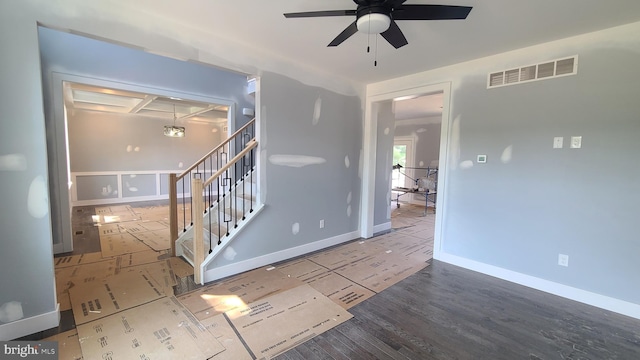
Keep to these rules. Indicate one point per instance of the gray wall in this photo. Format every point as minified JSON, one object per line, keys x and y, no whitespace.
{"x":530,"y":202}
{"x":384,"y":162}
{"x":302,"y":120}
{"x":101,"y":141}
{"x":426,"y":131}
{"x":69,"y":54}
{"x":26,"y":258}
{"x":426,"y":134}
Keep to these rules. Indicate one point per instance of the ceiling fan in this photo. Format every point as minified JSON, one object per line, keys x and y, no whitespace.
{"x":379,"y":17}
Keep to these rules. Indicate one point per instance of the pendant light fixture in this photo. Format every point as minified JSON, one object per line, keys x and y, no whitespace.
{"x":173,"y":130}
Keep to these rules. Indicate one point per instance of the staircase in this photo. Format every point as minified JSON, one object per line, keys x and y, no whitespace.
{"x":214,"y":199}
{"x":219,"y":225}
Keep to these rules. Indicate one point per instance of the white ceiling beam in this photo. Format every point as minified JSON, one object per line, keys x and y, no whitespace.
{"x":208,"y":108}
{"x":144,"y":102}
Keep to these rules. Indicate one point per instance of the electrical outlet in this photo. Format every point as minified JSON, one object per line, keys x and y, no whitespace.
{"x":557,"y":142}
{"x":563,"y":260}
{"x":322,"y":224}
{"x":576,"y":142}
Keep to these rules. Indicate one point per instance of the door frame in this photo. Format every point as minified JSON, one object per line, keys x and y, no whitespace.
{"x":372,"y":103}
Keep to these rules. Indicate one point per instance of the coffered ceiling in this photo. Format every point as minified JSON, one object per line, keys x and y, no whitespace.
{"x":93,"y":98}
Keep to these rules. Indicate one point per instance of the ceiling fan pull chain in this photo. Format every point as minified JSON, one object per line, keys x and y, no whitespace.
{"x":375,"y":56}
{"x":369,"y":38}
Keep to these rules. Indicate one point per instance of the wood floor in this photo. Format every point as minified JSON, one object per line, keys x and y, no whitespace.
{"x":446,"y":312}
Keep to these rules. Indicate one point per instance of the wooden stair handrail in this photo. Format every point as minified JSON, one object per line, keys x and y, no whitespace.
{"x":250,"y":145}
{"x":204,"y":158}
{"x":197,"y":186}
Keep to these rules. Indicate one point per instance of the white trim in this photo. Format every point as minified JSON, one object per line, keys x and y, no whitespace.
{"x":111,"y":201}
{"x":254,"y":263}
{"x":586,"y":297}
{"x":370,"y":134}
{"x":367,"y":189}
{"x":260,"y":180}
{"x":120,"y":198}
{"x":443,"y":169}
{"x":30,"y":325}
{"x":382,"y":227}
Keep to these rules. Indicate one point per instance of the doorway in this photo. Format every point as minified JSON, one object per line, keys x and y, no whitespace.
{"x":403,"y":153}
{"x":369,"y":192}
{"x":101,"y":155}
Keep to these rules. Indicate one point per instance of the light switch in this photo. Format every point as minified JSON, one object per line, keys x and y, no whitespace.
{"x":557,"y":142}
{"x":576,"y":142}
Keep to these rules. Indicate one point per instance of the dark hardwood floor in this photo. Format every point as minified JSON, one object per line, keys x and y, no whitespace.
{"x":446,"y":312}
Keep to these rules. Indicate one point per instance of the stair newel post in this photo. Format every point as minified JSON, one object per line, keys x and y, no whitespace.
{"x":173,"y":212}
{"x":198,"y":234}
{"x":252,"y":171}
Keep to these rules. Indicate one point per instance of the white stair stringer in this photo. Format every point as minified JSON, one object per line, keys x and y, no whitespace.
{"x":226,"y":241}
{"x":239,"y":219}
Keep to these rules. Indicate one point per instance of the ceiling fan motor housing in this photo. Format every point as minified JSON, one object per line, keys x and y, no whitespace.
{"x":373,"y":19}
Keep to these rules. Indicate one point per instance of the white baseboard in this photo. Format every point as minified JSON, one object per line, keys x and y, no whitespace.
{"x":246,"y":265}
{"x":382,"y":227}
{"x":586,"y":297}
{"x":30,"y":325}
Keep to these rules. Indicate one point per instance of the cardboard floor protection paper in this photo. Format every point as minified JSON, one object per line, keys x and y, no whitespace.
{"x":81,"y":259}
{"x":157,"y":240}
{"x":301,"y":269}
{"x":69,"y":277}
{"x":180,"y":267}
{"x":116,"y":293}
{"x":132,"y":259}
{"x":114,"y":209}
{"x":141,"y":257}
{"x":142,"y":226}
{"x":236,"y":291}
{"x":160,"y":271}
{"x":68,"y":345}
{"x":277,"y":323}
{"x":120,"y":244}
{"x":378,"y":272}
{"x":223,"y":332}
{"x":339,"y":289}
{"x":160,"y":329}
{"x":345,"y":254}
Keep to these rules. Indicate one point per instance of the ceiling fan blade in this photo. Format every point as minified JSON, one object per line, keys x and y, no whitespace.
{"x":430,"y":12}
{"x":394,"y":36}
{"x":395,"y":3}
{"x":345,"y":34}
{"x":320,"y":13}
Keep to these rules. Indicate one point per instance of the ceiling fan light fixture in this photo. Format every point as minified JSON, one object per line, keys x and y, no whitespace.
{"x":373,"y":23}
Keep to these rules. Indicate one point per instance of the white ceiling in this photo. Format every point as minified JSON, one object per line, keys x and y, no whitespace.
{"x":493,"y":26}
{"x":419,"y":107}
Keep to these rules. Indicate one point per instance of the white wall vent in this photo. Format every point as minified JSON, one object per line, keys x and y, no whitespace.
{"x":542,"y":71}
